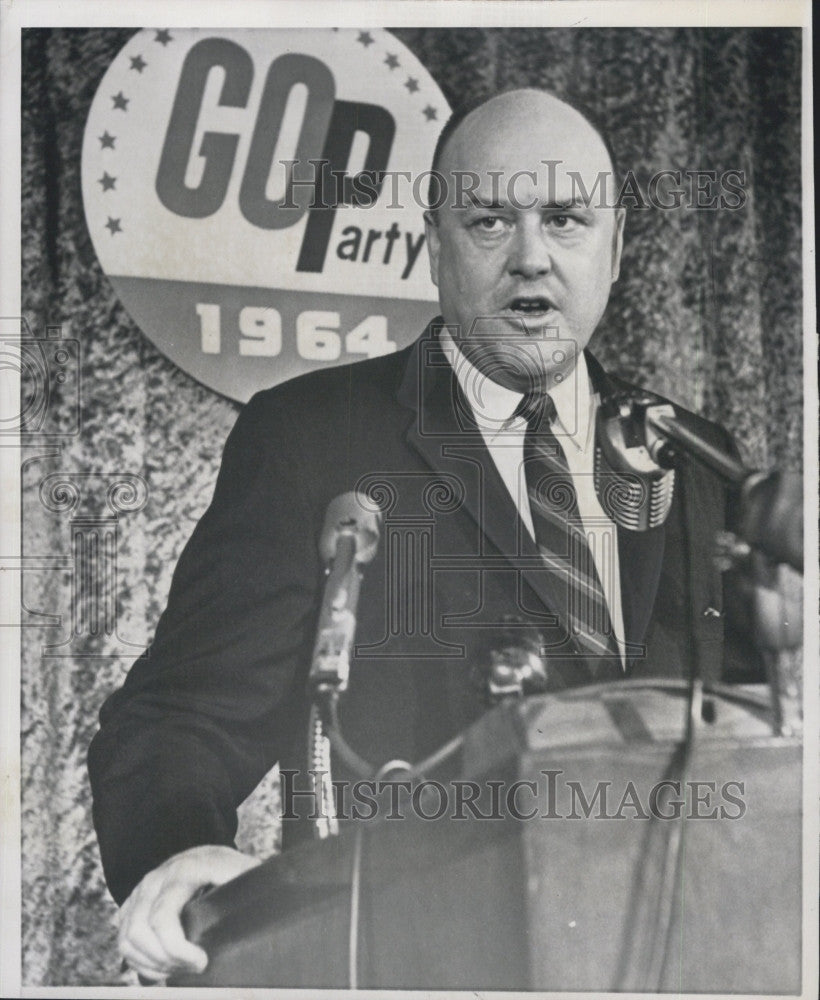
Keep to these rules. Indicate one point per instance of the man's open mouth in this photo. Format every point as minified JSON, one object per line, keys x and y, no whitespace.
{"x":531,"y":306}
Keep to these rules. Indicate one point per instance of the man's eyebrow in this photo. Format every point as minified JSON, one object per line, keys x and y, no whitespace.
{"x":476,"y":202}
{"x":564,"y":203}
{"x":493,"y":204}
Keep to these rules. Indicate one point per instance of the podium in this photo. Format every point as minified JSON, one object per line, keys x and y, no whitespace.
{"x":599,"y":875}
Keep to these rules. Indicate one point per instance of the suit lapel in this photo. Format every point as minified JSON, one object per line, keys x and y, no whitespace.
{"x":640,"y":557}
{"x":444,"y":434}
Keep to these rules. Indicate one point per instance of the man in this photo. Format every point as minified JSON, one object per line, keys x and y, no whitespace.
{"x":440,"y":432}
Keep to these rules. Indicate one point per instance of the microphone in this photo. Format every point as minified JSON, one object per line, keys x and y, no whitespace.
{"x":633,"y":478}
{"x":512,"y":665}
{"x":637,"y":437}
{"x":349,"y":539}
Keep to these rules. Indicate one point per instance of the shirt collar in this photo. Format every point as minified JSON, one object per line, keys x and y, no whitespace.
{"x":493,"y":404}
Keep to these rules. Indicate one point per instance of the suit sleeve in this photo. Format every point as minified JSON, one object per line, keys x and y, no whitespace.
{"x":206,"y":711}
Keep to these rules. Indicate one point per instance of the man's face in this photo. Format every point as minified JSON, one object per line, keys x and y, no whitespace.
{"x":521,"y":261}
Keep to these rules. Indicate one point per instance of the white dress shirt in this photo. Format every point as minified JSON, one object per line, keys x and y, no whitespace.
{"x":493,"y":405}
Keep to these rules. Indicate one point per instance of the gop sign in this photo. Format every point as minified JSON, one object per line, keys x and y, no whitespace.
{"x":255,"y":196}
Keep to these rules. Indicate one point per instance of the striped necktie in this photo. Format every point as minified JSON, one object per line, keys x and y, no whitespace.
{"x":560,"y":536}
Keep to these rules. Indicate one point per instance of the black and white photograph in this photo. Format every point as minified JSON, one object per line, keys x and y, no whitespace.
{"x":408,"y":431}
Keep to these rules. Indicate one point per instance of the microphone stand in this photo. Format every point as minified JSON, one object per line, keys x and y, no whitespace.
{"x":771,"y":503}
{"x":768,"y":543}
{"x":770,"y":531}
{"x":330,"y":670}
{"x":349,"y":539}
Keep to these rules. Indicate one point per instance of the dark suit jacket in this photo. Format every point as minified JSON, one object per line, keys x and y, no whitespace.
{"x":220,"y":695}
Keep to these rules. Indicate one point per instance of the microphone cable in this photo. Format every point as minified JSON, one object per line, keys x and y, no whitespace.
{"x":646,"y":954}
{"x":671,"y":881}
{"x":356,"y":882}
{"x":329,"y":712}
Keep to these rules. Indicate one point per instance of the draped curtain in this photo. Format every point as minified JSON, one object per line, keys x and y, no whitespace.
{"x":708,"y":310}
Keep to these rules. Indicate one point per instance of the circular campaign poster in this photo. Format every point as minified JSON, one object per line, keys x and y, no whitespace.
{"x":256,"y":197}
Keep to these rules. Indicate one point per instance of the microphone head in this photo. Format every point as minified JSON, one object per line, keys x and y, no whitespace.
{"x":633,"y":489}
{"x":512,"y":665}
{"x":351,"y":515}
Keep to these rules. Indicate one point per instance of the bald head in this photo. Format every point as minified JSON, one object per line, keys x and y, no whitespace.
{"x":563,"y":138}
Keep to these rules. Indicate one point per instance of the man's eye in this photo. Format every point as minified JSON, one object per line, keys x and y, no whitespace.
{"x":489,"y":224}
{"x":562,"y":221}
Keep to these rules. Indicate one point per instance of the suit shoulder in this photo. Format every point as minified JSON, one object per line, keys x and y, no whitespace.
{"x":370,"y":379}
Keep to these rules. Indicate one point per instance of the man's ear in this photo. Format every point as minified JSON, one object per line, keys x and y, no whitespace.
{"x":433,"y":243}
{"x":618,"y":242}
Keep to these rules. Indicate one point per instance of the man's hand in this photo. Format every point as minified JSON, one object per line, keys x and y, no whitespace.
{"x":151,"y":938}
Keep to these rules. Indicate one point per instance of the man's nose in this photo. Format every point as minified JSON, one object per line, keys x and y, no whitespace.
{"x":529,"y":254}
